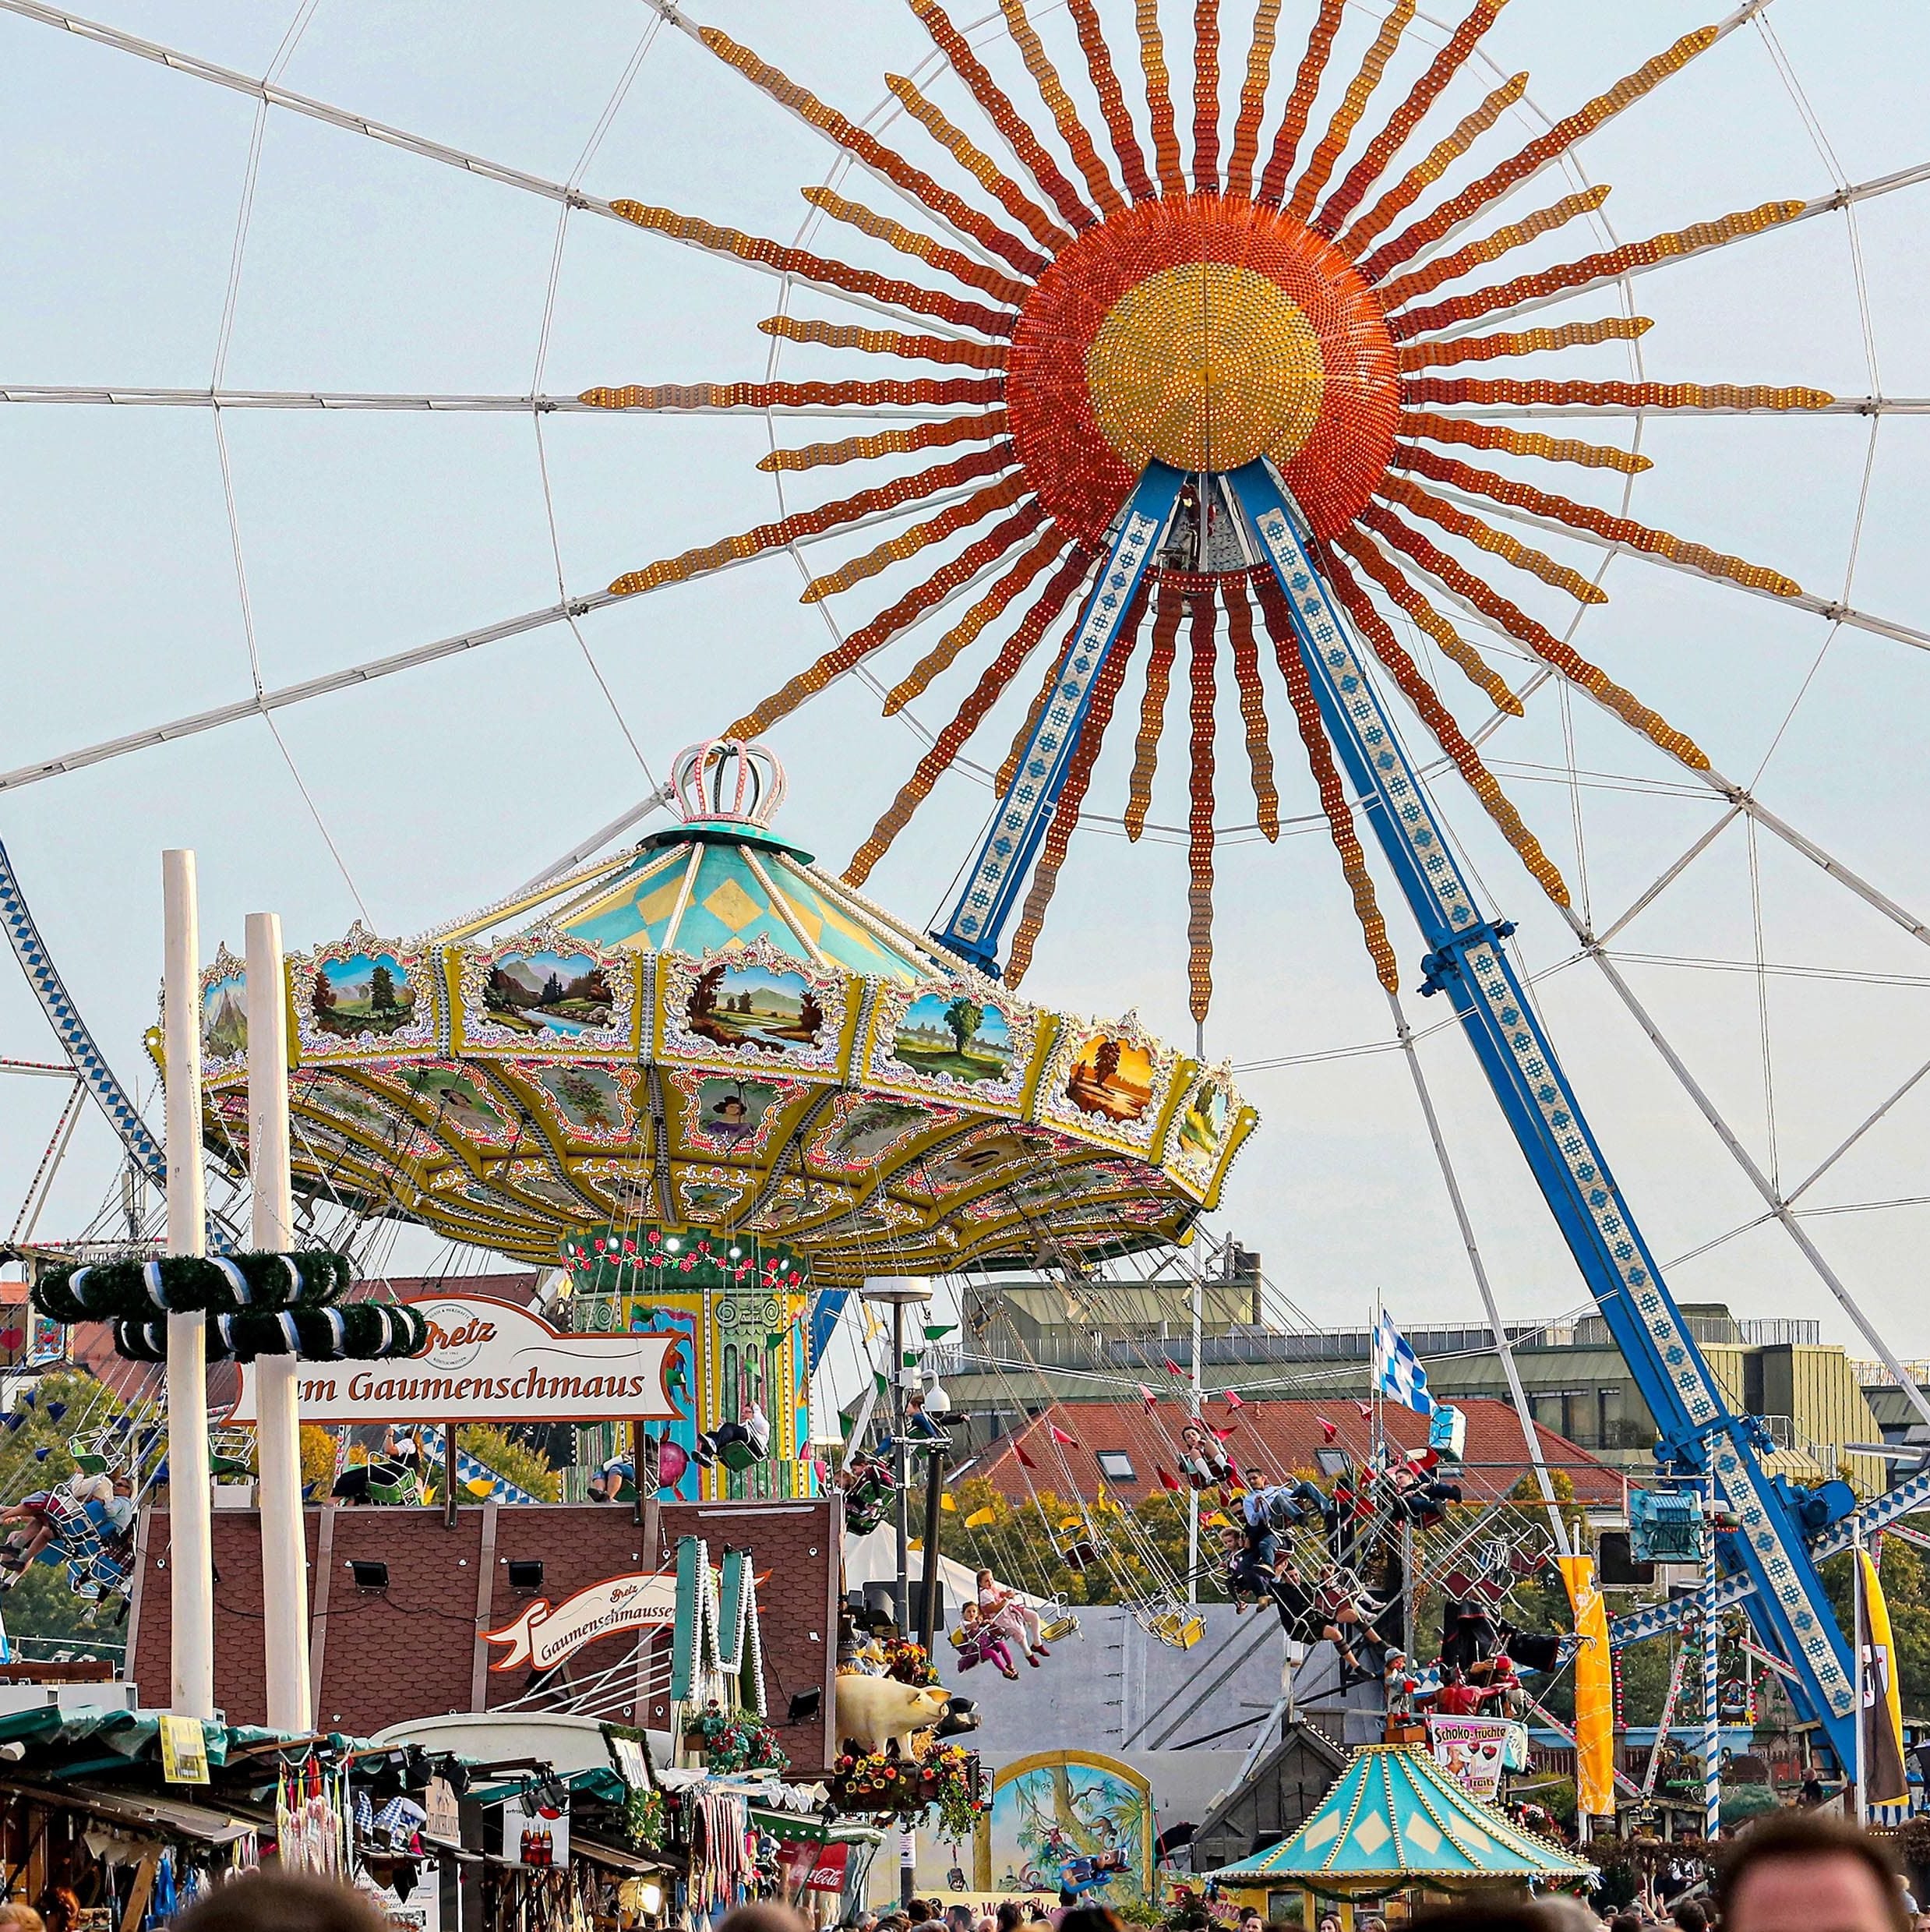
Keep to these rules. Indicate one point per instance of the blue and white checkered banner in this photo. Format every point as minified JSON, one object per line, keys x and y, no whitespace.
{"x":1397,"y":1371}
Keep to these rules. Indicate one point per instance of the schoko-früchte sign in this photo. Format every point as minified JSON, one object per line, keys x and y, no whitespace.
{"x":490,"y":1361}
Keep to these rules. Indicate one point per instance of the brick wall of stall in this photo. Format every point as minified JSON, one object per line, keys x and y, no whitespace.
{"x":412,"y":1650}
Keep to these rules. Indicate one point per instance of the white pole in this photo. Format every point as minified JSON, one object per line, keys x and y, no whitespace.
{"x":278,"y":1430}
{"x":1192,"y":1494}
{"x":190,"y":1552}
{"x":1863,"y":1686}
{"x":1711,"y":1682}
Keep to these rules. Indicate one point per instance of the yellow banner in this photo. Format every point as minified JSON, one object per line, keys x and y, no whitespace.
{"x":1885,"y":1780}
{"x":1594,"y":1691}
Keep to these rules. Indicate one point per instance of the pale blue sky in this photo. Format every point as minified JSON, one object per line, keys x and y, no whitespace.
{"x":366,"y":268}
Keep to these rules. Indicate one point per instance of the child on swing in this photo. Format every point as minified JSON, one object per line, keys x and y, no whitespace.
{"x":980,"y":1642}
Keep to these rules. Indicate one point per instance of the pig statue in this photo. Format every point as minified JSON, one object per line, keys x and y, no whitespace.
{"x":872,"y":1710}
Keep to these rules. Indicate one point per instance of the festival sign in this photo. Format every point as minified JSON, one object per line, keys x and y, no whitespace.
{"x":490,"y":1361}
{"x":542,"y":1637}
{"x":1475,"y":1751}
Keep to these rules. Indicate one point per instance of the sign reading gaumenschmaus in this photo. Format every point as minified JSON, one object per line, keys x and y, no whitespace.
{"x":490,"y":1361}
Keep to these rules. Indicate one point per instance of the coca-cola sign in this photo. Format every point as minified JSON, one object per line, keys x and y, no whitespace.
{"x":490,"y":1361}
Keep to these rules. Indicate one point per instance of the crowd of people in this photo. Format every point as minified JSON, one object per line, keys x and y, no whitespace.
{"x":1792,"y":1871}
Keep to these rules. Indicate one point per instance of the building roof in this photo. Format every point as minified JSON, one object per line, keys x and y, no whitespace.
{"x":1395,"y":1814}
{"x":1281,"y":1437}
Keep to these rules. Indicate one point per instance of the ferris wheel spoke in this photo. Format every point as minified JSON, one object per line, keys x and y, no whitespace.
{"x":913,"y":184}
{"x":1832,"y":406}
{"x":1445,"y":64}
{"x":1537,"y":290}
{"x":1798,"y":599}
{"x":261,"y":703}
{"x":768,"y":256}
{"x":1353,"y":103}
{"x":1545,"y":151}
{"x":681,"y":400}
{"x":1780,"y":1209}
{"x":279,"y":96}
{"x":346,"y":401}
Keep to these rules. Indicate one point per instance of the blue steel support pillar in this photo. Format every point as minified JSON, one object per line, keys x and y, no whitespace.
{"x":1005,"y":854}
{"x":1466,"y":960}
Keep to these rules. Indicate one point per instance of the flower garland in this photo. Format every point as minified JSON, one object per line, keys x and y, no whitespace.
{"x":908,"y":1661}
{"x":947,"y":1777}
{"x":363,"y":1331}
{"x":738,"y":1742}
{"x":188,"y":1285}
{"x":644,"y":1818}
{"x":714,"y":1260}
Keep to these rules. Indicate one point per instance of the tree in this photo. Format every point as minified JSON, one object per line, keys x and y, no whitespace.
{"x":963,"y":1016}
{"x":322,"y":999}
{"x":382,"y":990}
{"x":514,"y":1461}
{"x":1026,"y":1543}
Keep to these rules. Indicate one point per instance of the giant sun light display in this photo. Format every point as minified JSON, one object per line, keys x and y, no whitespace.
{"x":1308,"y":286}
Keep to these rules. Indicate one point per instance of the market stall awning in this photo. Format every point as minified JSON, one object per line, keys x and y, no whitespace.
{"x":1394,"y":1815}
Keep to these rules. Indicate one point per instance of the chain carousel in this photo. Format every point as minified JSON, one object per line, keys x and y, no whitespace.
{"x":710,"y":1078}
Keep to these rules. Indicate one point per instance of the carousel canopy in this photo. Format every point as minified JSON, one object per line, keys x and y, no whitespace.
{"x":1394,"y":1815}
{"x":707,"y":1031}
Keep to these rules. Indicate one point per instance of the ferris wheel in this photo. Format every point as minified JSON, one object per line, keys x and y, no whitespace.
{"x":1150,"y":334}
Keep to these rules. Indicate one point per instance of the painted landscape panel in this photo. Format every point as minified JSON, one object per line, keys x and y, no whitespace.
{"x":361,"y":993}
{"x":953,"y":1035}
{"x":563,"y":993}
{"x":753,"y":1006}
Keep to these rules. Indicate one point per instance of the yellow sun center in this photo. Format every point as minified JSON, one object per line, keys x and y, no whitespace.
{"x":1205,"y":366}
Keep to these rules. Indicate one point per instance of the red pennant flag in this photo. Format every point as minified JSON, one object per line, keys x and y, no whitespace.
{"x":1328,"y":1429}
{"x":1059,"y":1435}
{"x":1167,"y":1481}
{"x":1026,"y":1461}
{"x":1366,"y":1410}
{"x":1147,"y":1396}
{"x":1173,"y":1368}
{"x":1233,"y":1399}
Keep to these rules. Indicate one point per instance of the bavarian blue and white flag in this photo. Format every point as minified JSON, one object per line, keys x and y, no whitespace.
{"x":1397,"y":1371}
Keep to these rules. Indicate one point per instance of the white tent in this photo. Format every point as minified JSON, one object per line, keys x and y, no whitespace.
{"x":874,"y":1559}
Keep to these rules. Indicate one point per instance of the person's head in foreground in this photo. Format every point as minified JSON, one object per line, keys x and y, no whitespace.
{"x":1091,"y":1919}
{"x":1525,"y":1917}
{"x":1689,"y":1915}
{"x":1558,"y":1913}
{"x":767,"y":1917}
{"x":1809,"y":1871}
{"x":287,"y":1903}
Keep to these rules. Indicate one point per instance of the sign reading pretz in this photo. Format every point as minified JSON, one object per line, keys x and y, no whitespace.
{"x":542,"y":1637}
{"x":490,"y":1361}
